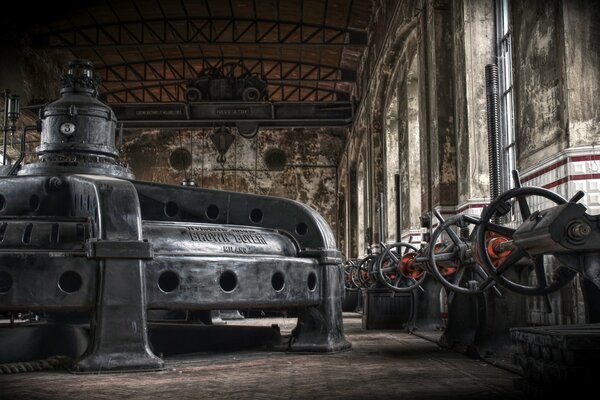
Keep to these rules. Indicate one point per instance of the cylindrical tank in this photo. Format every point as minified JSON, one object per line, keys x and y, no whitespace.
{"x":78,"y":130}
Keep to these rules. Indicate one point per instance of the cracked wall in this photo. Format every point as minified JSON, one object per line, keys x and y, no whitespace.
{"x":309,"y":175}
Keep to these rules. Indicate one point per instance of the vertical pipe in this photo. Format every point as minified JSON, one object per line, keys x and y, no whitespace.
{"x":398,"y":210}
{"x":337,"y":208}
{"x":382,"y":217}
{"x":493,"y":122}
{"x":5,"y":126}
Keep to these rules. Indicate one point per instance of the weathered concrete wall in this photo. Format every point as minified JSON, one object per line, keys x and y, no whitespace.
{"x":474,"y":48}
{"x":557,"y":78}
{"x":582,"y":69}
{"x":442,"y":136}
{"x":391,"y":25}
{"x":541,"y":127}
{"x":32,"y":74}
{"x":309,"y":175}
{"x":438,"y":151}
{"x":434,"y":54}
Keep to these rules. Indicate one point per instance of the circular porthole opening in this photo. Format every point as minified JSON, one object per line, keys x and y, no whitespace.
{"x":312,"y":281}
{"x":301,"y":229}
{"x":256,"y":215}
{"x":70,"y":282}
{"x":180,"y":159}
{"x":228,"y":281}
{"x":212,"y":211}
{"x":171,"y":209}
{"x":278,"y":281}
{"x":275,"y":159}
{"x":168,"y":281}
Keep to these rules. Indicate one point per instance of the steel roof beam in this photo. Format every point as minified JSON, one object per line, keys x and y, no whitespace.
{"x":200,"y":31}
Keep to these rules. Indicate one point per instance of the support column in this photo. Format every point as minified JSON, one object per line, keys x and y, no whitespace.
{"x":321,"y":329}
{"x":119,"y":331}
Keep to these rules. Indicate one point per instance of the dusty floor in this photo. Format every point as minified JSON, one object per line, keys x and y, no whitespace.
{"x":381,"y":365}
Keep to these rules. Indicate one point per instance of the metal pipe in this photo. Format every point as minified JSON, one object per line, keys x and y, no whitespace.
{"x":398,"y":210}
{"x":13,"y":115}
{"x":15,"y":166}
{"x":493,"y":122}
{"x":381,"y":217}
{"x":5,"y":126}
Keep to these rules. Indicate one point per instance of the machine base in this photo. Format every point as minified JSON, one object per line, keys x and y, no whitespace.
{"x":385,"y":309}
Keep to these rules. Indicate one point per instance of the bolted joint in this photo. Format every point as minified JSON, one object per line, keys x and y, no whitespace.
{"x":578,"y":230}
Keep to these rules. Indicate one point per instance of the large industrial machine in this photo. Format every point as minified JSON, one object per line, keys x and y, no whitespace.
{"x":92,"y":250}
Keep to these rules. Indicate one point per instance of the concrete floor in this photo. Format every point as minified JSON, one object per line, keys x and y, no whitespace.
{"x":381,"y":365}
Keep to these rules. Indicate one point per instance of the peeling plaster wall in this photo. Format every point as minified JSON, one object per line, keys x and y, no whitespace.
{"x":557,"y":78}
{"x":310,"y":175}
{"x":31,"y":73}
{"x":441,"y":123}
{"x":34,"y":76}
{"x":392,"y":25}
{"x":438,"y":153}
{"x":582,"y":68}
{"x":473,"y":49}
{"x":442,"y":108}
{"x":540,"y":119}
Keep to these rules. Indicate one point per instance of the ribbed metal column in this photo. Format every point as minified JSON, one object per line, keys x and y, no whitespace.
{"x":493,"y":120}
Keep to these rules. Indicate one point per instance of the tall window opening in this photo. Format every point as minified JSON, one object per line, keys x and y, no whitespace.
{"x":507,"y":124}
{"x":392,"y":168}
{"x":414,"y":146}
{"x":361,"y":193}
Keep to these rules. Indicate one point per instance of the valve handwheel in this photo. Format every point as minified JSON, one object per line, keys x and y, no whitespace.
{"x":453,"y":264}
{"x":348,"y":275}
{"x":364,"y":271}
{"x":496,"y":252}
{"x":398,"y":268}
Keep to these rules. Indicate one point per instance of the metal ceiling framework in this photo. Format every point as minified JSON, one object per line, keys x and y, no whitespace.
{"x":292,"y":80}
{"x":174,"y":91}
{"x":205,"y":31}
{"x":184,"y":68}
{"x":146,"y":51}
{"x":189,"y":37}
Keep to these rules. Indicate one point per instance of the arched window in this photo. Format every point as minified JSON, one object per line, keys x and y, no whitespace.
{"x":361,"y":181}
{"x":392,"y":170}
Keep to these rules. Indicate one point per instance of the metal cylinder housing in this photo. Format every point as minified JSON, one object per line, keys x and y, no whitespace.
{"x":78,"y":130}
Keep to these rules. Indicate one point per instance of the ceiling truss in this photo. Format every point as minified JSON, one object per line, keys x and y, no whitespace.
{"x":200,"y":31}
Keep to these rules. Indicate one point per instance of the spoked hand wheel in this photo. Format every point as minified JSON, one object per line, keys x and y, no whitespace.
{"x":452,"y":262}
{"x":364,"y":272}
{"x":398,"y":268}
{"x":349,"y":269}
{"x":495,"y":250}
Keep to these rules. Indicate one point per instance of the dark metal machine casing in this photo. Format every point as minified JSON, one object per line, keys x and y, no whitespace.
{"x":77,"y":235}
